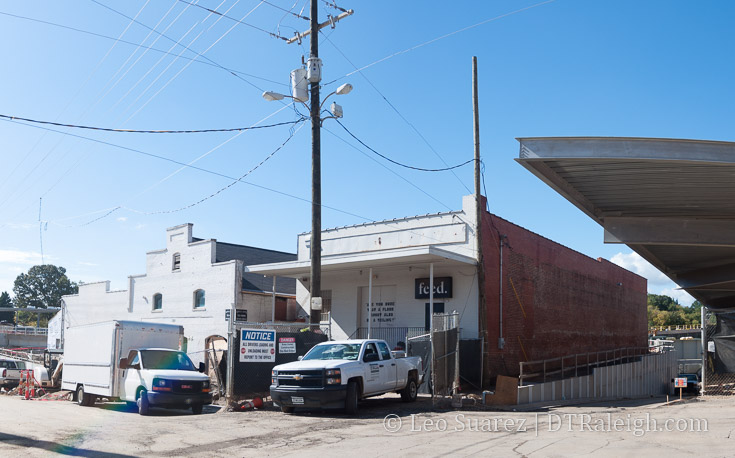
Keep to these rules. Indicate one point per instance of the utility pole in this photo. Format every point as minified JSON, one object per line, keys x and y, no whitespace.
{"x":313,"y":76}
{"x":316,"y":176}
{"x":482,"y":312}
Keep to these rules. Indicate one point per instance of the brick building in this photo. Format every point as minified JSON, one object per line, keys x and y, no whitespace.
{"x":556,"y":301}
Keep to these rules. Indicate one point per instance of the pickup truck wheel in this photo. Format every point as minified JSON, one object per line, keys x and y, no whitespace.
{"x":196,"y":409}
{"x":287,"y":409}
{"x":410,"y":392}
{"x":351,"y":398}
{"x":142,"y":401}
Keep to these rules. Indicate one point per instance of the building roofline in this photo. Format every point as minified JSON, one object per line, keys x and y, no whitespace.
{"x":394,"y":220}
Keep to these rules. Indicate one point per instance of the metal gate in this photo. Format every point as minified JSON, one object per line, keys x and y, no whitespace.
{"x":718,"y":358}
{"x":249,"y":368}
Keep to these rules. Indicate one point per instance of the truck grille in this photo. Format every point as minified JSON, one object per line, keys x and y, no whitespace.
{"x":311,"y":378}
{"x":183,"y":386}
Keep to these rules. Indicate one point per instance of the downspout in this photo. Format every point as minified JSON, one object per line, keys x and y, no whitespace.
{"x":501,"y":341}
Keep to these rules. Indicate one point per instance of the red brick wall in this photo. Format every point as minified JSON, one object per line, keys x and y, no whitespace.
{"x":556,"y":301}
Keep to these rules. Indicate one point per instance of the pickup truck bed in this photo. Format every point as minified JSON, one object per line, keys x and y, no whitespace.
{"x":9,"y":373}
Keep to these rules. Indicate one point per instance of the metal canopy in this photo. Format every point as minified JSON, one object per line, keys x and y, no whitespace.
{"x":671,"y":201}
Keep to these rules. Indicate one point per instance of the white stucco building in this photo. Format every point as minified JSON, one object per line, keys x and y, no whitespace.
{"x":400,"y":254}
{"x":193,"y":283}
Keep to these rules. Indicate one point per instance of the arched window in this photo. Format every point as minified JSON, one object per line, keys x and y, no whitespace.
{"x":157,"y":301}
{"x":199,"y":299}
{"x":176,"y":263}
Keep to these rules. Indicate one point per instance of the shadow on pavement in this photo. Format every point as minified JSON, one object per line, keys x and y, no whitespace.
{"x":55,"y":447}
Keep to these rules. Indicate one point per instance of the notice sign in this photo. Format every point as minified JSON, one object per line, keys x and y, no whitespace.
{"x":680,"y":382}
{"x":287,"y":345}
{"x":257,"y":345}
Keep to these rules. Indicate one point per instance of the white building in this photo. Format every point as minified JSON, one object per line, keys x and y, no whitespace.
{"x":400,"y":254}
{"x":194,"y":283}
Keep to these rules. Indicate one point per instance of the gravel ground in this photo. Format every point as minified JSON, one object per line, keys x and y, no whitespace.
{"x":622,"y":428}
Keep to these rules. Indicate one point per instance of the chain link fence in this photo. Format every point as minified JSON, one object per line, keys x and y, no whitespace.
{"x":718,"y":373}
{"x":439,"y":352}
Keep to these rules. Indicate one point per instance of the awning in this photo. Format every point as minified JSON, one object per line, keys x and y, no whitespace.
{"x":671,"y":201}
{"x":374,"y":259}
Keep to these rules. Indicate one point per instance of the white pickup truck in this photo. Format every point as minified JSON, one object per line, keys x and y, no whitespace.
{"x":10,"y":372}
{"x":339,"y":374}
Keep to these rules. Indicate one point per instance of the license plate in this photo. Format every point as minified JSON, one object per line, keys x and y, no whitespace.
{"x":297,"y":400}
{"x":186,"y":387}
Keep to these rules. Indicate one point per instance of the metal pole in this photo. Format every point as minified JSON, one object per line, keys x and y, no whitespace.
{"x":431,"y":328}
{"x":702,"y":318}
{"x":273,"y":301}
{"x":230,"y":356}
{"x":370,"y":303}
{"x":316,"y":175}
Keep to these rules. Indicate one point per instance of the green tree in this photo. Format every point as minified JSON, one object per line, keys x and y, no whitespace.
{"x":41,"y":287}
{"x":6,"y":302}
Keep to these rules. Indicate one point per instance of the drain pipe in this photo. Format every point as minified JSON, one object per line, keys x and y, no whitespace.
{"x":501,"y":341}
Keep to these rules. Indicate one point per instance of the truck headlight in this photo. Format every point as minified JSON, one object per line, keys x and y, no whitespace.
{"x":274,"y":377}
{"x":205,"y":386}
{"x":334,"y":376}
{"x":160,"y":384}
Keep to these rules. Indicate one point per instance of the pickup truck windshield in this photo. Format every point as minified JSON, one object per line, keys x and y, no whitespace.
{"x":349,"y":352}
{"x":161,"y":359}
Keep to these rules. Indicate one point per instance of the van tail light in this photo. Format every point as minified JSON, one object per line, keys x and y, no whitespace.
{"x":5,"y":373}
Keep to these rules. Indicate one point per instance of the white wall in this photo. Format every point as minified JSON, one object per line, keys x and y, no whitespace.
{"x":452,"y":231}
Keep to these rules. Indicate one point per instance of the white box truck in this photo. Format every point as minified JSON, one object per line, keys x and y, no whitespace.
{"x":137,"y":362}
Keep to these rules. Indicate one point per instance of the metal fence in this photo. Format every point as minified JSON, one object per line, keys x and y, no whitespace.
{"x":255,"y":348}
{"x":397,"y":337}
{"x":24,"y":330}
{"x":718,"y":354}
{"x":576,"y":365}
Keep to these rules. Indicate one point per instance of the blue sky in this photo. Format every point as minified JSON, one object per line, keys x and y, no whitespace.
{"x":561,"y":68}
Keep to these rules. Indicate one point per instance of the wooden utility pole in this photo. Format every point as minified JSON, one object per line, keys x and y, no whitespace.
{"x":479,"y":210}
{"x":316,"y":177}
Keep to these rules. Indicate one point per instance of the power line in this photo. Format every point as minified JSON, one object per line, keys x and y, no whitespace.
{"x":184,"y":46}
{"x":433,"y":40}
{"x":204,"y":199}
{"x":398,"y":163}
{"x":287,"y":11}
{"x":274,"y":35}
{"x":151,"y":48}
{"x":133,"y":131}
{"x":436,"y":153}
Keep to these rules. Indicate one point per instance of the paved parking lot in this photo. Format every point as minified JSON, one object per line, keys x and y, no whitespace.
{"x":702,"y":427}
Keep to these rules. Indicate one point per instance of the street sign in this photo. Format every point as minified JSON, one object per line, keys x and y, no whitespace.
{"x":680,"y":382}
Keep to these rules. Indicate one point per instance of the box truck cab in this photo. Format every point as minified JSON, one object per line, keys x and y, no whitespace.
{"x":139,"y":363}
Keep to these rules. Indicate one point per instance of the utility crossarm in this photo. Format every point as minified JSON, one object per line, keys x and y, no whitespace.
{"x":332,"y":20}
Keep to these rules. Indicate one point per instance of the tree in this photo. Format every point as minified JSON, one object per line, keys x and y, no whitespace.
{"x":6,"y":302}
{"x":41,"y":287}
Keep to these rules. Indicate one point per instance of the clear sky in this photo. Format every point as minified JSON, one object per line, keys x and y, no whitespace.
{"x":561,"y":68}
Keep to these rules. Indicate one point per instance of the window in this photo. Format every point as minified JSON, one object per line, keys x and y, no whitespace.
{"x":157,"y":301}
{"x":384,"y":351}
{"x":199,"y":299}
{"x":176,"y":262}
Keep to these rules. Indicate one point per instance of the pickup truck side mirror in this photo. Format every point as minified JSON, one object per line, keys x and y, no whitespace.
{"x":123,"y":363}
{"x":202,"y":368}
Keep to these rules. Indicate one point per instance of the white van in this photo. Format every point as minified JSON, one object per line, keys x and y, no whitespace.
{"x":137,"y":362}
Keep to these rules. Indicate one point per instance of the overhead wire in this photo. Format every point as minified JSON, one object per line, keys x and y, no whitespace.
{"x":433,"y":40}
{"x":134,"y":131}
{"x":150,"y":48}
{"x":410,"y":124}
{"x":399,"y":163}
{"x":200,"y":201}
{"x":287,"y":11}
{"x":274,"y":35}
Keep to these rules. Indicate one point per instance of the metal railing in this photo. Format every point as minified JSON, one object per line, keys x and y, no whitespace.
{"x":678,"y":327}
{"x":575,"y":365}
{"x":24,"y":330}
{"x":391,"y":335}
